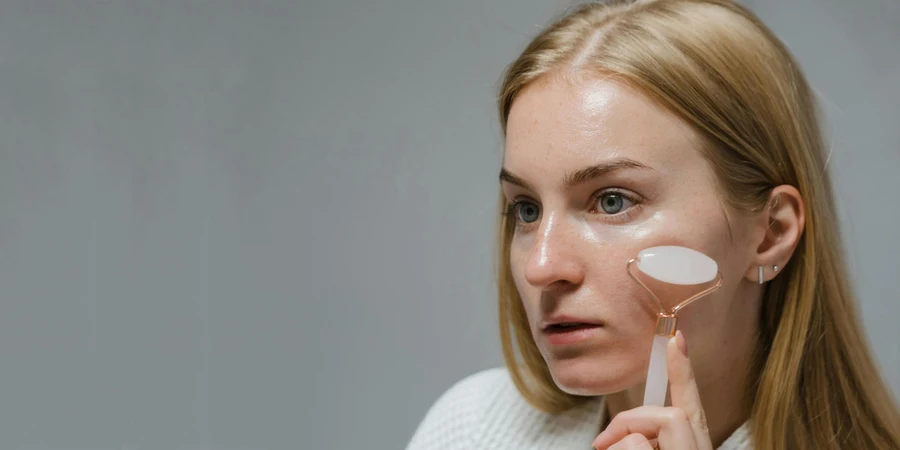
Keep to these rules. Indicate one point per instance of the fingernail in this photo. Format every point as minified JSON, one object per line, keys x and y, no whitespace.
{"x":682,"y":344}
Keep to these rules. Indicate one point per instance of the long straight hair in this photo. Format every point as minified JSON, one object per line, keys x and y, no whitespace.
{"x":814,"y":384}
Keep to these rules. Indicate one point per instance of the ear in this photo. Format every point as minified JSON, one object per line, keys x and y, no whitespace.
{"x":780,"y":226}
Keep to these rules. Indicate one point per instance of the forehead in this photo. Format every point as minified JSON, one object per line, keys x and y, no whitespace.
{"x":567,"y":123}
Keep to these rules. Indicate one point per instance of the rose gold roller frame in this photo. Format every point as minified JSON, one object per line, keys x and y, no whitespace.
{"x":666,"y":323}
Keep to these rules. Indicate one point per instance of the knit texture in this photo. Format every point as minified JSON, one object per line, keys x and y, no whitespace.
{"x":485,"y":411}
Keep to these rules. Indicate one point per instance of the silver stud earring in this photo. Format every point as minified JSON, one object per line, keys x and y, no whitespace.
{"x":775,"y":268}
{"x":760,"y":275}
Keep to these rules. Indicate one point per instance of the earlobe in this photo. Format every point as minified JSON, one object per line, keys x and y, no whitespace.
{"x":762,"y":273}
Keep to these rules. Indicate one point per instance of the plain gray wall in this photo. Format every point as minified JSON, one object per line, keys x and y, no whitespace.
{"x":267,"y":224}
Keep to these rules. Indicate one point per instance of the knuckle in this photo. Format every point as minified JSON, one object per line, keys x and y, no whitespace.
{"x":634,"y":438}
{"x":675,"y":415}
{"x":701,"y":424}
{"x":637,"y":441}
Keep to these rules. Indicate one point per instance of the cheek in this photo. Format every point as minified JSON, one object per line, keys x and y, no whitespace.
{"x":607,"y":272}
{"x":708,"y":231}
{"x":629,"y":308}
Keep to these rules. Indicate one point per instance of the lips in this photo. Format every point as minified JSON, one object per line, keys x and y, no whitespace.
{"x":568,"y":331}
{"x":567,"y":323}
{"x":567,"y":326}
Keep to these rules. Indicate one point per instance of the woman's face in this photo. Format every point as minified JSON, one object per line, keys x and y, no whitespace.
{"x":598,"y":172}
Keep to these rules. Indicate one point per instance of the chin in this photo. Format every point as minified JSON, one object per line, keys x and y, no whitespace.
{"x":590,"y":376}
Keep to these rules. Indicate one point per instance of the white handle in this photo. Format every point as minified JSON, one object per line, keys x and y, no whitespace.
{"x":657,"y":374}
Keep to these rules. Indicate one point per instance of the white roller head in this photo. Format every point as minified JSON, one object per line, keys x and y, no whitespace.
{"x":677,"y":265}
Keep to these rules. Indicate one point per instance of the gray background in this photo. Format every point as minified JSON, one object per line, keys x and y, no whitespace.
{"x":267,"y":224}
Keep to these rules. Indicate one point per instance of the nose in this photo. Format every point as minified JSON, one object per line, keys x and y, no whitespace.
{"x":553,"y":260}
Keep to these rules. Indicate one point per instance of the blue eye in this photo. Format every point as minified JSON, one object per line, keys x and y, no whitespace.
{"x":614,"y":202}
{"x":527,"y":212}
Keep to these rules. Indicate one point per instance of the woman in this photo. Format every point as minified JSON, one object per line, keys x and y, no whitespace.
{"x":635,"y":124}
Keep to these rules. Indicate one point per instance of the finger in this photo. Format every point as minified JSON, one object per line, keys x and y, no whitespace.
{"x":633,"y":442}
{"x":683,"y":389}
{"x":669,"y":426}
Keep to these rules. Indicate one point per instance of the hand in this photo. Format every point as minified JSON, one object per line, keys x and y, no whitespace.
{"x":681,"y":426}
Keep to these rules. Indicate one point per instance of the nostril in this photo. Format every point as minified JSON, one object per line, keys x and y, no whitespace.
{"x":560,"y":287}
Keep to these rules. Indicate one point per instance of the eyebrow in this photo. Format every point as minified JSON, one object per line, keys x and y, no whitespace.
{"x":582,"y":175}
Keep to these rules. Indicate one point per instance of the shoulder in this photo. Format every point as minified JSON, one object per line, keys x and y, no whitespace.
{"x":462,"y":414}
{"x":482,"y":390}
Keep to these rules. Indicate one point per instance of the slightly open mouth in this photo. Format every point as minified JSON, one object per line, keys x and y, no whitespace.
{"x":567,"y":327}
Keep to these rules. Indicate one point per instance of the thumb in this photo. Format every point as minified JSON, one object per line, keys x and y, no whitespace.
{"x":684,"y":391}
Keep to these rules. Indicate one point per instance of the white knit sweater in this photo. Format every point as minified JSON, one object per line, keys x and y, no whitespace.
{"x":485,"y":411}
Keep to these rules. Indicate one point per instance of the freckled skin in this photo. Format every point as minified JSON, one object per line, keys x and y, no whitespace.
{"x":573,"y":261}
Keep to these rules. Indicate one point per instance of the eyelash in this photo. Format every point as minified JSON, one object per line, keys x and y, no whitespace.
{"x":511,"y":209}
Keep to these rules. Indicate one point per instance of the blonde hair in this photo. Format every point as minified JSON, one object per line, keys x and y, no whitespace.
{"x":814,"y":383}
